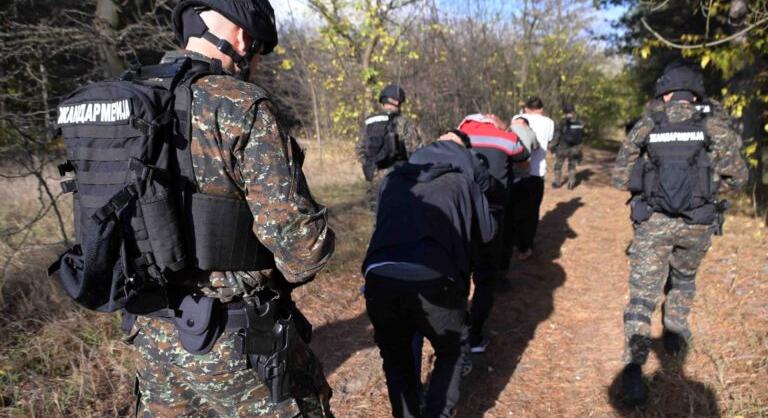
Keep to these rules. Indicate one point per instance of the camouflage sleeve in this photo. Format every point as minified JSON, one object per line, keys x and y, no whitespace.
{"x":556,"y":135}
{"x":725,"y":152}
{"x":287,"y":220}
{"x":360,"y":146}
{"x":630,"y":152}
{"x":409,"y":135}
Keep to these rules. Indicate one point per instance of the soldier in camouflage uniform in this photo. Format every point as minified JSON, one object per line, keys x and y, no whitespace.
{"x":238,"y":150}
{"x":406,"y":140}
{"x":671,"y":240}
{"x":566,"y":145}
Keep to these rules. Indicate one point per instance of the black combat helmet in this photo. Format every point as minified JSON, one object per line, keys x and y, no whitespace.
{"x":255,"y":17}
{"x":679,"y":76}
{"x":568,"y":108}
{"x":392,"y":91}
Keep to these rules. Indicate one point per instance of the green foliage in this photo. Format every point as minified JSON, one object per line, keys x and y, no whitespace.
{"x":360,"y":37}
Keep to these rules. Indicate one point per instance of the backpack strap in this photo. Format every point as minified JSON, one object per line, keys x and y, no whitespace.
{"x":182,"y":107}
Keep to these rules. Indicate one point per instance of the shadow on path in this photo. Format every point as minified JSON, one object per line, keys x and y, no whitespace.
{"x":517,"y":313}
{"x":583,"y":176}
{"x":671,"y":393}
{"x":336,"y":342}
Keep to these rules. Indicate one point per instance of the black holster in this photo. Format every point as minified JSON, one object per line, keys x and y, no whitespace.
{"x":266,"y":341}
{"x":273,"y":368}
{"x":720,"y":208}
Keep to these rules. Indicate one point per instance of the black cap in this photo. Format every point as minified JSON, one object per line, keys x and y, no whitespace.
{"x":392,"y":91}
{"x":255,"y":17}
{"x":568,"y":108}
{"x":680,"y":76}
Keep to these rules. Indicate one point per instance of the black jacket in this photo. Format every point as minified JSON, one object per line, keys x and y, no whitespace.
{"x":428,"y":208}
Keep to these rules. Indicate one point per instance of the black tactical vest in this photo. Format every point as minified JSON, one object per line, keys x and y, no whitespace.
{"x":383,"y":148}
{"x":573,"y":133}
{"x":674,"y":176}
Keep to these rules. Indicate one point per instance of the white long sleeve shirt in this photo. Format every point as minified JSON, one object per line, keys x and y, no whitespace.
{"x":544,"y":128}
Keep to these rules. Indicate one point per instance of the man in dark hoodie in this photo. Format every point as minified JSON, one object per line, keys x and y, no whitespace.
{"x":417,"y":269}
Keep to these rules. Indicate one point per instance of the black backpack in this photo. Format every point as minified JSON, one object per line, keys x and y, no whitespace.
{"x":121,"y":139}
{"x":573,"y":132}
{"x":382,"y":146}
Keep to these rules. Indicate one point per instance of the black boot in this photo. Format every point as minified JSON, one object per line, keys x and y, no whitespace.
{"x":635,"y":392}
{"x":674,"y":344}
{"x":556,"y":184}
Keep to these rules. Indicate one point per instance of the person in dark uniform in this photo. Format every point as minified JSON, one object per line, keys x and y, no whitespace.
{"x":417,"y":269}
{"x":566,"y":145}
{"x":388,"y":138}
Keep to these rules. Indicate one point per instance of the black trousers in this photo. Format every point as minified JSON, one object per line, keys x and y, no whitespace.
{"x":523,"y":209}
{"x":438,"y":311}
{"x":487,"y":263}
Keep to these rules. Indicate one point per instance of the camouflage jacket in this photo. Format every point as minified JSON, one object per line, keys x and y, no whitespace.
{"x":407,"y":133}
{"x":729,"y":167}
{"x":239,"y":150}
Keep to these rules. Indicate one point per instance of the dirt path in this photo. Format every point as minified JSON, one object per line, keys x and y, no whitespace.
{"x":557,"y":335}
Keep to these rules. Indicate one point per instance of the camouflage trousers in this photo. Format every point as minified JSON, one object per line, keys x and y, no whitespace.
{"x":372,"y":191}
{"x":573,"y":156}
{"x":664,"y":257}
{"x":171,"y":382}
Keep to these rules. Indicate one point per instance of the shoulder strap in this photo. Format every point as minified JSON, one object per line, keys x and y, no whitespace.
{"x":182,"y":92}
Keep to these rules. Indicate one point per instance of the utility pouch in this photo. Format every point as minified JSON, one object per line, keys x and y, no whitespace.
{"x":161,"y":218}
{"x":635,"y":184}
{"x":273,"y":368}
{"x":91,"y":272}
{"x":640,"y":211}
{"x":198,"y":326}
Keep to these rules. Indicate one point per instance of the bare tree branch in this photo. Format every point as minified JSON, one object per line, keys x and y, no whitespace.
{"x":730,"y":38}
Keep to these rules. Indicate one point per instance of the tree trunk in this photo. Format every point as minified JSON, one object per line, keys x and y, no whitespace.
{"x":107,"y":21}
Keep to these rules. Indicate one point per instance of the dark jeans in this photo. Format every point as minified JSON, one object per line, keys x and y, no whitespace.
{"x":523,"y":212}
{"x":438,"y":311}
{"x":487,"y":261}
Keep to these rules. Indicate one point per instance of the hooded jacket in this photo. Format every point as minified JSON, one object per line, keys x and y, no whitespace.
{"x":428,"y":211}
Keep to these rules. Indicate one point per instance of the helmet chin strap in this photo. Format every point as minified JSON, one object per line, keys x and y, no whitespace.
{"x":242,"y":62}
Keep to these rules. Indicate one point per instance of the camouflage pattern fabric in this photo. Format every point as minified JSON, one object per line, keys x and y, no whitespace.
{"x":373,"y":186}
{"x":564,"y":152}
{"x":664,"y":257}
{"x":171,"y":382}
{"x":666,"y":252}
{"x":239,"y":150}
{"x":573,"y":156}
{"x":408,"y":134}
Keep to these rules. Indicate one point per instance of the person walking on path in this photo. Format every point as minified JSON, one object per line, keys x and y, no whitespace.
{"x":675,"y":162}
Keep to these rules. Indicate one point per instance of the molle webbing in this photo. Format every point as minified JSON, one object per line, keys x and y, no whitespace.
{"x":223,"y":238}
